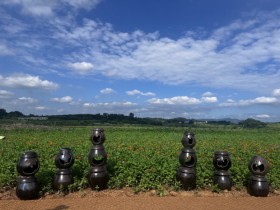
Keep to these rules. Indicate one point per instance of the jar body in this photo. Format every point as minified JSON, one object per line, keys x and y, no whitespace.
{"x":98,"y":177}
{"x":187,"y":177}
{"x":27,"y":188}
{"x":258,"y":186}
{"x":63,"y":178}
{"x":223,"y":180}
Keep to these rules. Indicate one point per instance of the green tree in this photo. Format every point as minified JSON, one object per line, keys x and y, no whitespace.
{"x":252,"y":123}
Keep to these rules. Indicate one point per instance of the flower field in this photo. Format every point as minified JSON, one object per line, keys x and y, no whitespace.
{"x":142,"y":158}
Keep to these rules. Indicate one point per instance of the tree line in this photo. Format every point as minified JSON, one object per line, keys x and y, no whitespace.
{"x":89,"y":119}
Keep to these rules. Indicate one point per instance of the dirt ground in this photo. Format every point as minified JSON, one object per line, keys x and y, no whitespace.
{"x":126,"y":199}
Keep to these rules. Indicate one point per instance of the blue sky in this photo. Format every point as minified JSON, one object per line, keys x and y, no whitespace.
{"x":169,"y":58}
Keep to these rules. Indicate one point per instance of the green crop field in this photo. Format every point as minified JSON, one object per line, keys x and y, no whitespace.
{"x":142,"y":158}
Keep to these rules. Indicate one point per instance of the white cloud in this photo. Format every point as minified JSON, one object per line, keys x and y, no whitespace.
{"x":276,"y":92}
{"x":229,"y":56}
{"x":27,"y":81}
{"x":207,"y":94}
{"x":65,"y":99}
{"x":81,"y":67}
{"x":27,"y":100}
{"x":209,"y":99}
{"x":177,"y":100}
{"x":41,"y":108}
{"x":110,"y":104}
{"x":107,"y":91}
{"x":263,"y":116}
{"x":247,"y":102}
{"x":83,"y":4}
{"x":251,"y":46}
{"x":138,"y":92}
{"x":49,"y":8}
{"x":5,"y":94}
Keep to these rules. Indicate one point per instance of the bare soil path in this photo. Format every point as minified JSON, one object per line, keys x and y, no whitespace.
{"x":126,"y":199}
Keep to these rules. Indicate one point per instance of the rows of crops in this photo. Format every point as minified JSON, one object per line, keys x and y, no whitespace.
{"x":142,"y":158}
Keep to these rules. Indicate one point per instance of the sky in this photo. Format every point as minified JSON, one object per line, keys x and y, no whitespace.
{"x":196,"y":59}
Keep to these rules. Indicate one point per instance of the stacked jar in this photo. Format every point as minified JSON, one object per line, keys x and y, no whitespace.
{"x":222,"y":163}
{"x":27,"y":166}
{"x":98,"y":176}
{"x":186,"y":173}
{"x":63,"y":176}
{"x":257,"y":183}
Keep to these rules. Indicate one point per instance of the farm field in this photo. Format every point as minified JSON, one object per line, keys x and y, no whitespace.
{"x":140,"y":158}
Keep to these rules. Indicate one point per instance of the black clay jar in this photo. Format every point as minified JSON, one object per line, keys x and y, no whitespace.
{"x":188,"y":140}
{"x":97,"y":155}
{"x":257,"y":183}
{"x":98,"y":177}
{"x":97,"y":137}
{"x":258,"y":166}
{"x":27,"y":185}
{"x":187,"y":158}
{"x":258,"y":186}
{"x":27,"y":188}
{"x":187,"y":177}
{"x":28,"y":163}
{"x":64,"y":158}
{"x":221,"y":160}
{"x":63,"y":178}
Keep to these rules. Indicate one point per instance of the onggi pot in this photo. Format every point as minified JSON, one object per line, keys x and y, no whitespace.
{"x":64,"y":158}
{"x":27,"y":185}
{"x":257,"y":183}
{"x":97,"y":137}
{"x":187,"y":177}
{"x":98,"y":177}
{"x":97,"y":155}
{"x":187,"y":157}
{"x":188,"y":139}
{"x":28,"y":163}
{"x":63,"y":176}
{"x":27,"y":188}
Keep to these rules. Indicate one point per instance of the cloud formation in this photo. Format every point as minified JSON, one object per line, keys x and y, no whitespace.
{"x":107,"y":91}
{"x":258,"y":100}
{"x":138,"y":92}
{"x":26,"y":81}
{"x":65,"y":99}
{"x":81,"y":67}
{"x":50,"y":7}
{"x":5,"y":94}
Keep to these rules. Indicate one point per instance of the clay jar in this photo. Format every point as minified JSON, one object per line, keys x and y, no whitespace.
{"x":97,"y":155}
{"x":27,"y":188}
{"x":187,"y":158}
{"x":258,"y":166}
{"x":98,"y":177}
{"x":64,"y":158}
{"x":97,"y":137}
{"x":187,"y":177}
{"x":63,"y":176}
{"x":221,"y":160}
{"x":257,"y":183}
{"x":28,"y":163}
{"x":188,"y":140}
{"x":27,"y":185}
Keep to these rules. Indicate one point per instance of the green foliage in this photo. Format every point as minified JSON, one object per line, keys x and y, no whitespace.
{"x":251,"y":123}
{"x":142,"y":158}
